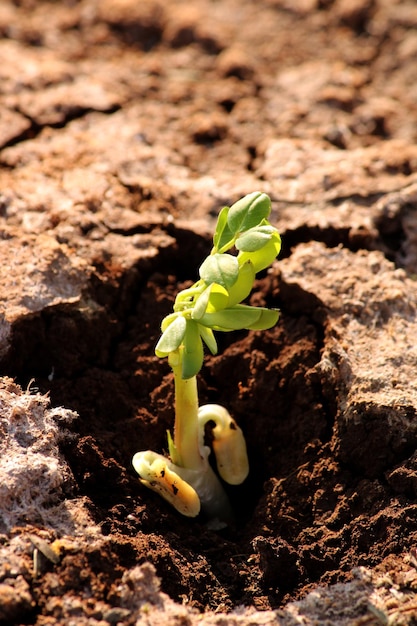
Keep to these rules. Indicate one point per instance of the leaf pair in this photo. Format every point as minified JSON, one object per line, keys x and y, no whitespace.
{"x":245,"y":214}
{"x":245,"y":226}
{"x":241,"y":317}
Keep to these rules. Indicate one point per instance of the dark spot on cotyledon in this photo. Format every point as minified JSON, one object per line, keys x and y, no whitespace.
{"x":174,"y":489}
{"x":162,"y":473}
{"x":232,"y":426}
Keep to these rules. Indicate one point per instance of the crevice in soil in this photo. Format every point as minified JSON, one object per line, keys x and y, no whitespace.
{"x":298,"y":496}
{"x":390,"y":225}
{"x":331,"y":436}
{"x":72,"y":113}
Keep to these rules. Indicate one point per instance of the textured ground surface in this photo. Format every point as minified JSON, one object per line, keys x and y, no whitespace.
{"x":124,"y":127}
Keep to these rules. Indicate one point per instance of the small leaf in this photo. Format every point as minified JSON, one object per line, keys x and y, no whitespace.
{"x":201,"y":303}
{"x":255,"y":238}
{"x":219,"y":298}
{"x":243,"y":286}
{"x":234,"y":318}
{"x":248,"y":212}
{"x":222,"y":269}
{"x":267,"y":319}
{"x":241,"y":317}
{"x":193,"y":353}
{"x":172,"y":337}
{"x":263,"y":257}
{"x":223,"y":237}
{"x":168,"y":320}
{"x":208,"y":337}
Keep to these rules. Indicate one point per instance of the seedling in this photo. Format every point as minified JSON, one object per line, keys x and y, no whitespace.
{"x":214,"y":303}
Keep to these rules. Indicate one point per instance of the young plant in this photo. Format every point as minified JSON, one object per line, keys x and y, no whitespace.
{"x":214,"y":303}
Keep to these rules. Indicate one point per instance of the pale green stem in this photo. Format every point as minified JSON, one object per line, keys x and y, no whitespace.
{"x":186,"y":431}
{"x":189,"y":453}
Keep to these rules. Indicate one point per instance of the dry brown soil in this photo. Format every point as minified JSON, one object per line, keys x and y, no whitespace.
{"x":125,"y":126}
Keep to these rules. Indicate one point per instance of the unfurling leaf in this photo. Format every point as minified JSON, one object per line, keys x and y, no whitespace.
{"x":222,"y":269}
{"x":219,"y":298}
{"x":172,"y":337}
{"x":248,"y":212}
{"x":262,"y":258}
{"x":243,"y":286}
{"x":201,"y":303}
{"x":255,"y":238}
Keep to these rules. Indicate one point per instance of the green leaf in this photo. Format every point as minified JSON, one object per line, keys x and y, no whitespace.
{"x":267,"y":319}
{"x":234,"y":318}
{"x":222,"y":269}
{"x":201,"y":303}
{"x":223,"y":238}
{"x":208,"y":337}
{"x":193,"y":353}
{"x":248,"y":212}
{"x":243,"y":286}
{"x":219,"y":297}
{"x":172,"y":337}
{"x":255,"y":238}
{"x":168,"y":320}
{"x":241,"y":317}
{"x":263,"y":257}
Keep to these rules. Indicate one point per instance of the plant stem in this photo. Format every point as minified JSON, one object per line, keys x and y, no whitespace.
{"x":186,"y":432}
{"x":188,"y":450}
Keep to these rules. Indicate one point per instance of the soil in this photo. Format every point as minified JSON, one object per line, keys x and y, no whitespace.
{"x":125,"y":126}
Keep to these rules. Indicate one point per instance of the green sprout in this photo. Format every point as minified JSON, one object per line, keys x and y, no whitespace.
{"x":214,"y":303}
